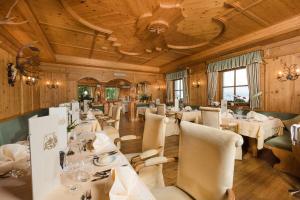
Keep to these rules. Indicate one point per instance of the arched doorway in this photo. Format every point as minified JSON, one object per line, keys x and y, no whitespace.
{"x":89,"y":89}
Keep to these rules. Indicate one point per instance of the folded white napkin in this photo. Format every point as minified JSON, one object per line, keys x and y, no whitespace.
{"x":128,"y":186}
{"x":13,"y":156}
{"x":103,"y":143}
{"x":257,"y":116}
{"x":188,"y":108}
{"x":295,"y":133}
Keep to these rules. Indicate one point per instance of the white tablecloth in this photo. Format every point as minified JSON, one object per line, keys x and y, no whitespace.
{"x":259,"y":130}
{"x":88,"y":126}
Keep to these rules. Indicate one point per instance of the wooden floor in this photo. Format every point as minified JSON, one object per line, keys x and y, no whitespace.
{"x":254,"y":178}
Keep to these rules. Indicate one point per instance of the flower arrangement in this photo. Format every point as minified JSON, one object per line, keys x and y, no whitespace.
{"x":71,"y":126}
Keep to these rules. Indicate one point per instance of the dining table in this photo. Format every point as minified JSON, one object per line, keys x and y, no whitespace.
{"x":12,"y":188}
{"x":256,"y":130}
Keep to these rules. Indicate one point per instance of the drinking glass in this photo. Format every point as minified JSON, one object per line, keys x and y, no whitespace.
{"x":69,"y":176}
{"x":85,"y":170}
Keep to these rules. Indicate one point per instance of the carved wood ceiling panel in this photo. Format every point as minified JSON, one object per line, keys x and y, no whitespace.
{"x":147,"y":32}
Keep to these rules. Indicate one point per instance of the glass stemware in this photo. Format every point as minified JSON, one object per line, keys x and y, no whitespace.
{"x":85,"y":170}
{"x":69,"y":176}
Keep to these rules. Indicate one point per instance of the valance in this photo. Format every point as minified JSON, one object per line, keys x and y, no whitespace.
{"x":177,"y":75}
{"x":235,"y":62}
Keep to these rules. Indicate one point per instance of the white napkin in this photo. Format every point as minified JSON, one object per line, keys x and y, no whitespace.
{"x":128,"y":186}
{"x":257,"y":116}
{"x":295,"y":133}
{"x":188,"y":108}
{"x":102,"y":143}
{"x":13,"y":156}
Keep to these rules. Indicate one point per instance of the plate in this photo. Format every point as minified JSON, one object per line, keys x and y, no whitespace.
{"x":105,"y":160}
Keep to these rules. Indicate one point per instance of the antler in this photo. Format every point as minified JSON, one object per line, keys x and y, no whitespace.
{"x":10,"y":20}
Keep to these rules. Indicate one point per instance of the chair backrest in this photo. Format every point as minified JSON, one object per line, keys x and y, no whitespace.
{"x":206,"y":160}
{"x":211,"y":116}
{"x":154,"y":131}
{"x":191,"y":116}
{"x":161,"y":109}
{"x":110,"y":109}
{"x":116,"y":112}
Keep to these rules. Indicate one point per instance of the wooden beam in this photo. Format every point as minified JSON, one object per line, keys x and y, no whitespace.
{"x":93,"y":44}
{"x":104,"y":64}
{"x":249,"y":14}
{"x":26,"y":11}
{"x":281,"y":28}
{"x":8,"y":38}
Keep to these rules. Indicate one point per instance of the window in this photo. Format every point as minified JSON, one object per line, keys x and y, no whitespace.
{"x":235,"y":86}
{"x":112,"y":93}
{"x":178,"y":89}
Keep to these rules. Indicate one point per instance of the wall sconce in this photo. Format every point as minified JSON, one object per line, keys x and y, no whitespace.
{"x":31,"y":80}
{"x":52,"y":84}
{"x":196,"y":84}
{"x":288,"y":73}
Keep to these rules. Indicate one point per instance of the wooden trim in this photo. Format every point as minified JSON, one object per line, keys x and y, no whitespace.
{"x":18,"y":115}
{"x":83,"y":21}
{"x":93,"y":44}
{"x":104,"y":64}
{"x":247,"y":13}
{"x":281,"y":28}
{"x":26,"y":11}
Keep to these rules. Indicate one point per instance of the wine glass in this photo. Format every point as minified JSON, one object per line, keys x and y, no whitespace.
{"x":85,"y":170}
{"x":69,"y":176}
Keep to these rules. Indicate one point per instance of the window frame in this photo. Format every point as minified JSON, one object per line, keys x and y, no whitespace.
{"x":115,"y":88}
{"x":234,"y":85}
{"x":180,"y":90}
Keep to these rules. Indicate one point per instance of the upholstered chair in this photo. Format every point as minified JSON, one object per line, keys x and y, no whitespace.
{"x":194,"y":116}
{"x":107,"y":113}
{"x":205,"y":164}
{"x":211,"y":117}
{"x":161,"y":109}
{"x":111,"y":126}
{"x":153,"y":143}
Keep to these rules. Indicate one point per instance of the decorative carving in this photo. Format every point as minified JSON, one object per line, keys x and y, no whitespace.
{"x":50,"y":141}
{"x":11,"y":20}
{"x":12,"y":74}
{"x":137,"y":28}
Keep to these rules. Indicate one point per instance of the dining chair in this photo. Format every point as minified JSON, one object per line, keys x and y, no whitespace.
{"x":205,"y":164}
{"x":111,"y":126}
{"x":211,"y":116}
{"x":153,"y":143}
{"x":161,"y":109}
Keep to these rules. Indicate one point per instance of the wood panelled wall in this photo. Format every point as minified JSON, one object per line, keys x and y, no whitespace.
{"x":69,"y":75}
{"x":23,"y":98}
{"x":18,"y":99}
{"x":198,"y":95}
{"x":282,"y":96}
{"x":277,"y":95}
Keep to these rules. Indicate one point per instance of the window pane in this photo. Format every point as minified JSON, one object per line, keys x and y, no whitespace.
{"x":243,"y":93}
{"x":228,"y":78}
{"x":181,"y":84}
{"x":181,"y":94}
{"x":241,"y":77}
{"x":228,"y":93}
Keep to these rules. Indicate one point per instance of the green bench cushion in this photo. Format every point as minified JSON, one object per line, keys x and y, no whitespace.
{"x":281,"y":142}
{"x":16,"y":129}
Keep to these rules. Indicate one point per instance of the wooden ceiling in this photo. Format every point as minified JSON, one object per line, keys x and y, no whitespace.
{"x":149,"y":35}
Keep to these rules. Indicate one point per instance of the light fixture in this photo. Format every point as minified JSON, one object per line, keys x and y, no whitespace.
{"x":31,"y":80}
{"x":52,"y":84}
{"x":196,"y":84}
{"x":291,"y":72}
